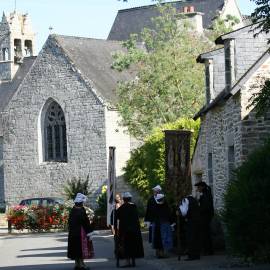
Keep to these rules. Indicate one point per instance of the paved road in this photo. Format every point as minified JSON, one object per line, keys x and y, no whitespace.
{"x":48,"y":252}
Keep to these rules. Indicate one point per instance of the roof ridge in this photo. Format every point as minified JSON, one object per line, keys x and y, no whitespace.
{"x":84,"y":38}
{"x":153,"y":5}
{"x":220,"y":38}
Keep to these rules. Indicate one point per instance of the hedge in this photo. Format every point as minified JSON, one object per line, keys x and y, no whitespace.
{"x":146,"y":166}
{"x":247,"y":208}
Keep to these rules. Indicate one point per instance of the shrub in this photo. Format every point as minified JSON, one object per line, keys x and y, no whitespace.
{"x":101,"y":209}
{"x":76,"y":185}
{"x":146,"y":166}
{"x":247,"y":208}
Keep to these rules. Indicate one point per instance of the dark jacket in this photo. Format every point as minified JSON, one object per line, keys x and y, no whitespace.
{"x":206,"y":204}
{"x":77,"y":220}
{"x":130,"y":238}
{"x":150,"y":210}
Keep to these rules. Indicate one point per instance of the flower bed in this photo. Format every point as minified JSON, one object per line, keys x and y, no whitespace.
{"x":38,"y":218}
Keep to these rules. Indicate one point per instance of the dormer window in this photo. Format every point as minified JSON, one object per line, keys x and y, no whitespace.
{"x":229,"y":63}
{"x":209,"y":81}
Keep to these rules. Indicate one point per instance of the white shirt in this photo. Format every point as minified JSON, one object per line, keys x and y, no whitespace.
{"x":184,"y":207}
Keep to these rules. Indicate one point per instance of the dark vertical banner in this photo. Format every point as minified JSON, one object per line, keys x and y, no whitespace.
{"x":111,"y":183}
{"x":177,"y":165}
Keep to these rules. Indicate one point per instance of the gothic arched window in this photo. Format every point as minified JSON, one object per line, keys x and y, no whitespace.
{"x":55,"y":139}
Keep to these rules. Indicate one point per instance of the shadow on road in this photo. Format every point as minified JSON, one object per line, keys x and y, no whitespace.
{"x":50,"y":248}
{"x":66,"y":266}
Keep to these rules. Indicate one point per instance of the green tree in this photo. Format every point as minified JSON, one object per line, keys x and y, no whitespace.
{"x":261,"y":100}
{"x":261,"y":15}
{"x":221,"y":26}
{"x":169,"y":83}
{"x":145,"y":168}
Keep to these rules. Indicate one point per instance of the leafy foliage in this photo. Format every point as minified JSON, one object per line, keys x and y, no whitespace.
{"x":261,"y":100}
{"x":169,"y":82}
{"x":102,"y":202}
{"x":76,"y":185}
{"x":247,"y":208}
{"x":261,"y":15}
{"x":221,"y":26}
{"x":145,"y":168}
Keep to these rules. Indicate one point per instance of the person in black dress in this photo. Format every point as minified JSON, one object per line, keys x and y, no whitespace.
{"x":189,"y":209}
{"x":79,"y":228}
{"x":129,"y":232}
{"x":206,"y":213}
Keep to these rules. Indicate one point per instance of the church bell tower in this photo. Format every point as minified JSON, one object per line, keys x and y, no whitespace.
{"x":16,"y":42}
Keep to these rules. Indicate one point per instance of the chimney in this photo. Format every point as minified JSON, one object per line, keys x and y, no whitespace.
{"x":194,"y":18}
{"x":189,"y":9}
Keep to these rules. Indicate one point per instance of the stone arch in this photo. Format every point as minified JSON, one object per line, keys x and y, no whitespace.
{"x":52,"y":133}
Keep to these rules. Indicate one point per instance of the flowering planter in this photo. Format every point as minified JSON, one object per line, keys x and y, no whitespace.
{"x":37,"y":218}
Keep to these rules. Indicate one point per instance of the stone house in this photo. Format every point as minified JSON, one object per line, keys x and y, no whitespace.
{"x":58,"y":112}
{"x":229,"y":130}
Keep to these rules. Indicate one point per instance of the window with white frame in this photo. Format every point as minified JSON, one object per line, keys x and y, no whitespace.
{"x":55,"y":139}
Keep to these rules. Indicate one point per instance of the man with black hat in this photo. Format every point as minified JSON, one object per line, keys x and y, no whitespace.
{"x":206,"y":215}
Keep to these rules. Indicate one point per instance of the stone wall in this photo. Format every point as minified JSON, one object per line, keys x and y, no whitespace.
{"x":52,"y":77}
{"x":255,"y":130}
{"x":220,"y":128}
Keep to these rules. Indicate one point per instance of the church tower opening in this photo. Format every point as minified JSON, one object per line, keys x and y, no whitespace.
{"x":17,"y":40}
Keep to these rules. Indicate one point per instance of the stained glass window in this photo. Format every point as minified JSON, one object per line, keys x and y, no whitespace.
{"x":55,"y":134}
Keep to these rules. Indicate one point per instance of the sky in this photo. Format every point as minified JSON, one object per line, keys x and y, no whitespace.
{"x":86,"y":18}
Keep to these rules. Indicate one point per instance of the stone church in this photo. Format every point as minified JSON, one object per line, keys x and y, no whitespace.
{"x":229,"y":129}
{"x":57,"y":109}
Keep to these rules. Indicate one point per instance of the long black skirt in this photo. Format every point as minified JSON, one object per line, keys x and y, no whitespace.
{"x":129,"y":245}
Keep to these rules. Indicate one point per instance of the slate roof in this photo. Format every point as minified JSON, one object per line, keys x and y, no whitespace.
{"x":7,"y":89}
{"x":133,"y":20}
{"x":93,"y":58}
